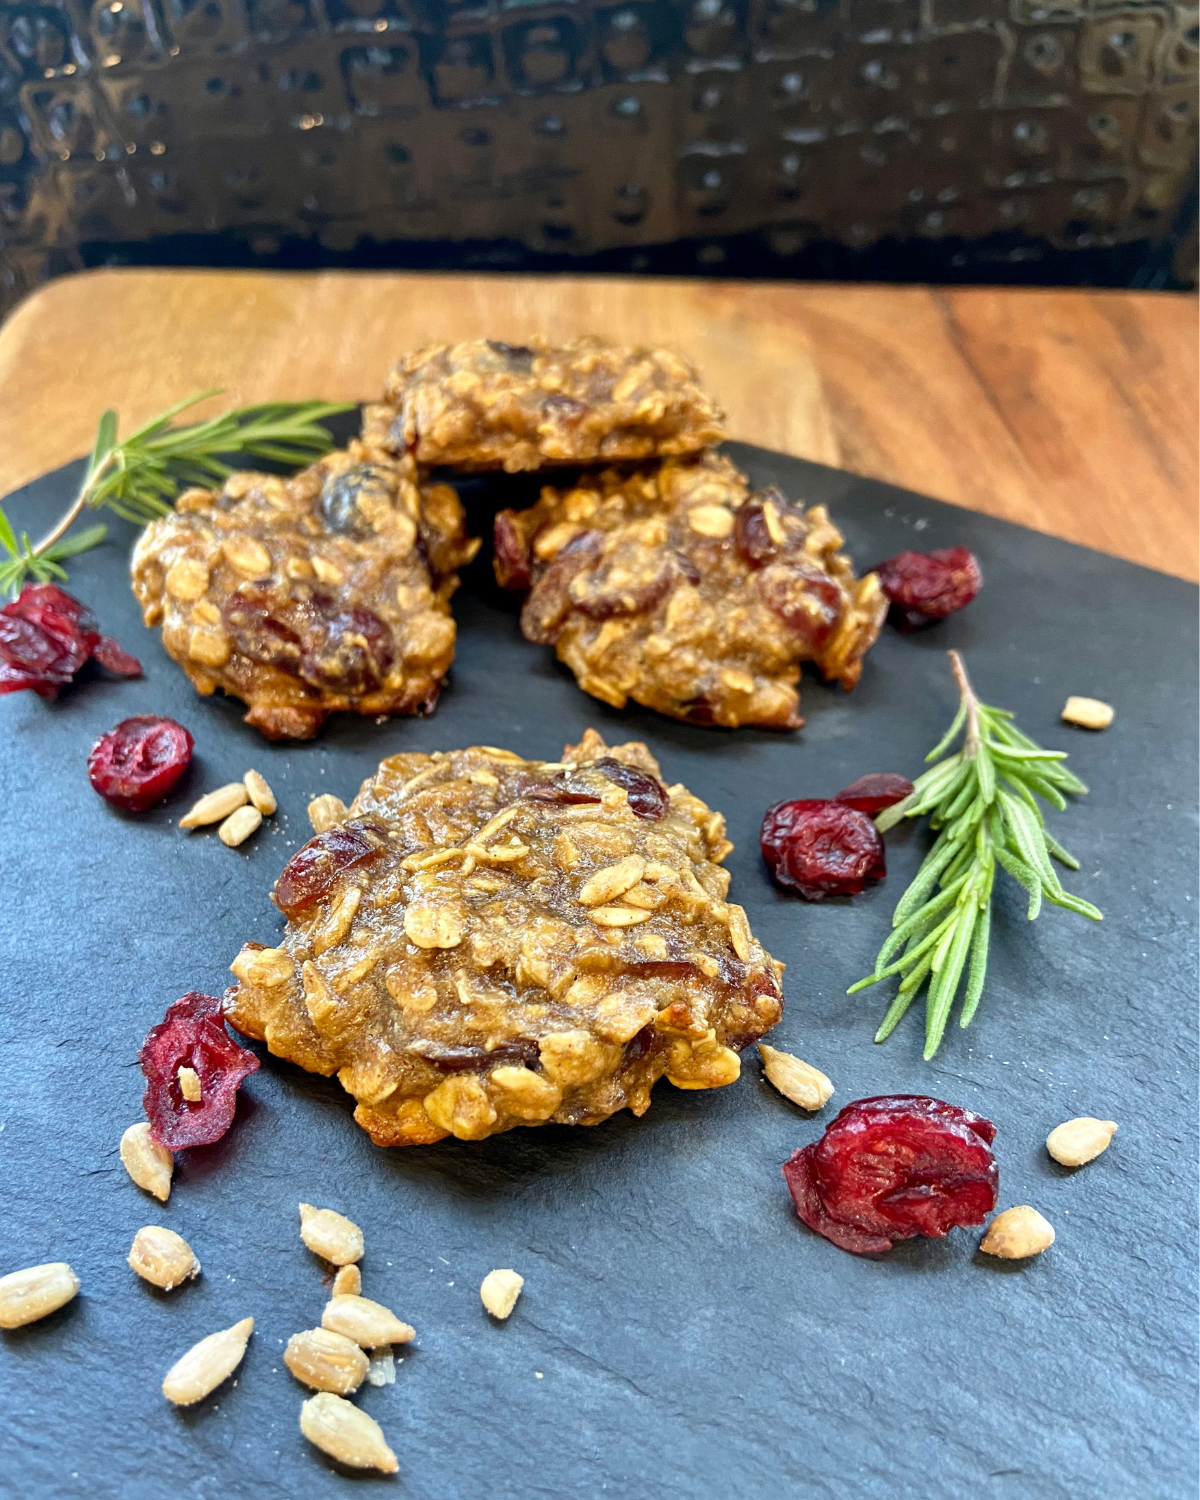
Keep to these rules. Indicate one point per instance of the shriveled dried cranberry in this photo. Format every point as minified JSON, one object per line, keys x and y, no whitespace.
{"x":549,"y":602}
{"x":927,"y":586}
{"x":259,"y":634}
{"x":647,"y":796}
{"x":516,"y":356}
{"x":138,"y":763}
{"x":821,"y":848}
{"x":510,"y":555}
{"x":340,"y":495}
{"x":608,"y":592}
{"x":871,"y":794}
{"x":114,"y":658}
{"x":752,"y":535}
{"x":522,"y":1050}
{"x":45,"y":635}
{"x":312,"y":870}
{"x":192,"y":1035}
{"x":565,"y":409}
{"x":351,"y":653}
{"x":805,"y":599}
{"x":893,"y":1168}
{"x":640,"y":1046}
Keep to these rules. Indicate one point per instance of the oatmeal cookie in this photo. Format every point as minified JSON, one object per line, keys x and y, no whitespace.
{"x":327,"y":591}
{"x":675,"y":586}
{"x":486,"y":405}
{"x":487,"y":942}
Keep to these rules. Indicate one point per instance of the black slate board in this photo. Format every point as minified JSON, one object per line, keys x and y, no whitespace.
{"x":680,"y":1332}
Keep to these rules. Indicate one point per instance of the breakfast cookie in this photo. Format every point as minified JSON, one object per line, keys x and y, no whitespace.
{"x":486,"y":405}
{"x":675,"y":586}
{"x":487,"y":941}
{"x":327,"y":591}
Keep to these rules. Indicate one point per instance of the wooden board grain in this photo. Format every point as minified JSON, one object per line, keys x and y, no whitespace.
{"x":1068,"y":411}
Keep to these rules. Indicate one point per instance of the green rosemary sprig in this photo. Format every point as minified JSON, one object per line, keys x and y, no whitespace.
{"x":983,"y":802}
{"x":139,"y":476}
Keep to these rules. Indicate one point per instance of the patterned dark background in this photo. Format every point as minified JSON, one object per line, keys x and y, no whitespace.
{"x":1047,"y":140}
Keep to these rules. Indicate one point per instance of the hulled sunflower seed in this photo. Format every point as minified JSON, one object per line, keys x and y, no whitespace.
{"x":215,"y":807}
{"x":260,"y":793}
{"x":327,"y":1361}
{"x":207,"y":1364}
{"x":796,"y":1080}
{"x":1088,"y":713}
{"x":26,"y":1296}
{"x":1017,"y":1233}
{"x":189,"y":1085}
{"x":1078,"y":1141}
{"x":238,"y":826}
{"x":163,"y":1257}
{"x":325,"y":811}
{"x":367,"y":1323}
{"x":500,"y":1291}
{"x":347,"y":1282}
{"x":346,"y":1433}
{"x":331,"y":1235}
{"x":150,"y":1164}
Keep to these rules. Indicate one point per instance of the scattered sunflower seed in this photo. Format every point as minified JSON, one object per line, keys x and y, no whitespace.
{"x":499,"y":1292}
{"x":238,"y":826}
{"x":796,"y":1080}
{"x":260,"y":793}
{"x":1078,"y":1141}
{"x":149,"y":1164}
{"x":26,"y":1296}
{"x":215,"y":807}
{"x":207,"y":1364}
{"x":163,"y":1257}
{"x":331,"y":1235}
{"x":367,"y":1323}
{"x":347,"y":1282}
{"x":189,"y":1085}
{"x":346,"y":1433}
{"x":1017,"y":1233}
{"x":326,"y":1361}
{"x":325,"y":811}
{"x":1088,"y":713}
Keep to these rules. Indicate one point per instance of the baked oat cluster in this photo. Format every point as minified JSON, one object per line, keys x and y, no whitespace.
{"x":673,"y":585}
{"x":486,"y":941}
{"x":326,"y":591}
{"x":487,"y":405}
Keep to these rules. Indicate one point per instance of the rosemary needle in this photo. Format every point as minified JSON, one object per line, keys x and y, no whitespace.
{"x":982,"y":800}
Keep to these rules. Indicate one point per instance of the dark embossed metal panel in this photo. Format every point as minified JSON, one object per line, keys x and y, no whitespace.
{"x":904,"y":136}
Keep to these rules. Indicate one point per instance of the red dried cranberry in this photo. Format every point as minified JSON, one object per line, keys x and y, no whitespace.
{"x":138,"y":763}
{"x":312,"y":870}
{"x":871,"y":794}
{"x":821,"y":848}
{"x":510,"y":554}
{"x":926,"y":586}
{"x":605,"y":595}
{"x":192,"y":1035}
{"x":260,"y":635}
{"x":45,"y":635}
{"x":114,"y":658}
{"x":805,"y":599}
{"x":751,"y":534}
{"x":894,"y":1168}
{"x":522,"y":1050}
{"x":639,"y":1046}
{"x":549,"y":602}
{"x":351,"y":653}
{"x":647,"y":796}
{"x":13,"y":680}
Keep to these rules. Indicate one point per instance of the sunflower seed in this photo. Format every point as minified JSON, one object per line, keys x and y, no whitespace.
{"x":260,"y":793}
{"x":1088,"y":713}
{"x":1017,"y":1233}
{"x":330,"y":1235}
{"x":348,"y":1282}
{"x":207,"y":1364}
{"x":148,"y":1163}
{"x":215,"y":807}
{"x":500,"y":1291}
{"x":367,"y":1323}
{"x":238,"y":826}
{"x":346,"y":1433}
{"x":1078,"y":1141}
{"x":163,"y":1257}
{"x":325,"y":811}
{"x":26,"y":1296}
{"x":327,"y":1361}
{"x":189,"y":1085}
{"x":796,"y":1080}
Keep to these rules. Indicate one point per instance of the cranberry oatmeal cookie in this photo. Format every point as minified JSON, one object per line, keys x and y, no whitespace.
{"x":675,"y":586}
{"x":304,"y":596}
{"x":487,"y":405}
{"x":487,"y":942}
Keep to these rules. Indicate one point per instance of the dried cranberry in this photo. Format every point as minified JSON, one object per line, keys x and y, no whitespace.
{"x":260,"y":635}
{"x":821,"y":848}
{"x":550,"y":602}
{"x":893,"y":1168}
{"x":606,"y":592}
{"x":647,"y":796}
{"x":340,"y":496}
{"x":114,"y":658}
{"x":522,"y":1050}
{"x":192,"y":1035}
{"x":516,"y":356}
{"x":639,"y":1046}
{"x":558,"y":789}
{"x":13,"y":680}
{"x":926,"y":586}
{"x":871,"y":794}
{"x":45,"y":635}
{"x":350,"y":653}
{"x":138,"y":763}
{"x":510,"y":554}
{"x":47,"y":604}
{"x":312,"y":870}
{"x":565,"y":409}
{"x":751,"y":534}
{"x":807,"y":600}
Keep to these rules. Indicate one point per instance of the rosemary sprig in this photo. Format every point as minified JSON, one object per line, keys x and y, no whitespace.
{"x":983,"y":802}
{"x":139,"y":476}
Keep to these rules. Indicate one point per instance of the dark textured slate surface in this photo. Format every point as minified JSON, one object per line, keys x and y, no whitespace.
{"x":680,"y":1332}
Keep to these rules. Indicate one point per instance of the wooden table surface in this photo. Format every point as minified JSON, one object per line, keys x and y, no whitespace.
{"x":1073,"y":412}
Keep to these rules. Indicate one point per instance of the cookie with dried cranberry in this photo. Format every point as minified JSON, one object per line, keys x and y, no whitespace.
{"x":675,"y":586}
{"x":487,"y":941}
{"x":486,"y":405}
{"x":325,"y":592}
